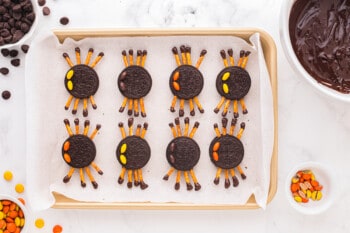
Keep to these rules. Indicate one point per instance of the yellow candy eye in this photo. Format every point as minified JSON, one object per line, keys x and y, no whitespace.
{"x":70,"y":74}
{"x":225,"y":88}
{"x":123,"y":148}
{"x":122,"y":159}
{"x":225,"y":76}
{"x":70,"y":85}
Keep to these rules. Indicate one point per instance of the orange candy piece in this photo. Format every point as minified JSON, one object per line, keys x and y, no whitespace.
{"x":57,"y":229}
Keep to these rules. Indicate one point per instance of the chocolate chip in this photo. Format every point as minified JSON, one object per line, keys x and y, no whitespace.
{"x":25,"y":48}
{"x":41,"y":2}
{"x":46,"y":11}
{"x":4,"y":70}
{"x":5,"y":52}
{"x":6,"y":95}
{"x":13,"y":53}
{"x":16,"y":62}
{"x":64,"y":20}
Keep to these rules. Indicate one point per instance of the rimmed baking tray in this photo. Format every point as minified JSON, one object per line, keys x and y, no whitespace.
{"x":270,"y":55}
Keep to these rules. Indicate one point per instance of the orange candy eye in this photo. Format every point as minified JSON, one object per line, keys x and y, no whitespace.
{"x":66,"y":146}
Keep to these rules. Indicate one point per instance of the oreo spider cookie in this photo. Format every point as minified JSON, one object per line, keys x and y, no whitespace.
{"x":82,"y":151}
{"x":233,"y":83}
{"x":79,"y":152}
{"x":189,"y":83}
{"x":81,"y":81}
{"x":183,"y":153}
{"x":133,"y":152}
{"x":231,"y":152}
{"x":226,"y":152}
{"x":134,"y":82}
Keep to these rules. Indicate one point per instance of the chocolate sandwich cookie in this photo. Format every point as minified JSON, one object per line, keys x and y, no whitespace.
{"x":183,"y":154}
{"x":133,"y":153}
{"x":186,"y":81}
{"x":134,"y":82}
{"x":226,"y":152}
{"x":81,"y":80}
{"x":79,"y":152}
{"x":236,"y":86}
{"x":233,"y":82}
{"x":189,"y":83}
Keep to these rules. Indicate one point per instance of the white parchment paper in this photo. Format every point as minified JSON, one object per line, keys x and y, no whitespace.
{"x":46,"y":97}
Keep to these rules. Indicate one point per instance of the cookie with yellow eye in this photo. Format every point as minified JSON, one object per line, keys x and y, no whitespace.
{"x":233,"y":83}
{"x":81,"y":81}
{"x":133,"y":153}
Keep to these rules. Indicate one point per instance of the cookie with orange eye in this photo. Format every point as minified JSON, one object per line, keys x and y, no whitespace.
{"x":186,"y":81}
{"x":79,"y":152}
{"x":81,"y":81}
{"x":226,"y":152}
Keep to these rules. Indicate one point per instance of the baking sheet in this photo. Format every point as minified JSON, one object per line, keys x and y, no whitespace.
{"x":46,"y":154}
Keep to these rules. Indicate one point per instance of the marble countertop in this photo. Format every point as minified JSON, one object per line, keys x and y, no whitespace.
{"x":312,"y":127}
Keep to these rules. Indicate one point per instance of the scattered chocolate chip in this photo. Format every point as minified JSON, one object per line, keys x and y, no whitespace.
{"x":6,"y":95}
{"x":4,"y":70}
{"x":16,"y":62}
{"x":5,"y":52}
{"x":41,"y":2}
{"x":46,"y":11}
{"x":13,"y":53}
{"x":25,"y":48}
{"x":64,"y":20}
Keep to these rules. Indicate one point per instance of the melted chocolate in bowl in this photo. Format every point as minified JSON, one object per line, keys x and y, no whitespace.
{"x":320,"y":36}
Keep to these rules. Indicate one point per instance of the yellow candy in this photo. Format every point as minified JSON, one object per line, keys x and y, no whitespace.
{"x":295,"y":180}
{"x":1,"y":206}
{"x":313,"y":195}
{"x":318,"y":195}
{"x":2,"y":215}
{"x":19,"y":188}
{"x":123,"y":148}
{"x":17,"y":221}
{"x":225,"y":88}
{"x":297,"y":199}
{"x":308,"y":193}
{"x":39,"y":223}
{"x":70,"y":74}
{"x":8,"y":175}
{"x":225,"y":76}
{"x":23,"y":221}
{"x":122,"y":159}
{"x":70,"y":85}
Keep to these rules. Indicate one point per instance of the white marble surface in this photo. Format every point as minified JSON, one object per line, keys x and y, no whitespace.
{"x":311,"y":126}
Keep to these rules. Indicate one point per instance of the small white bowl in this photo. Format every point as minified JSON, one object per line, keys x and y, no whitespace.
{"x":325,"y":177}
{"x":293,"y":60}
{"x":24,"y":209}
{"x":29,"y":33}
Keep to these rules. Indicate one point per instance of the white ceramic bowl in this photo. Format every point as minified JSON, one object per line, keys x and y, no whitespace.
{"x":29,"y":33}
{"x":24,"y":209}
{"x":325,"y":177}
{"x":293,"y":60}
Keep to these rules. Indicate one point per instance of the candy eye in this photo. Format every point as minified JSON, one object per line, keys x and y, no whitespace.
{"x":70,"y":74}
